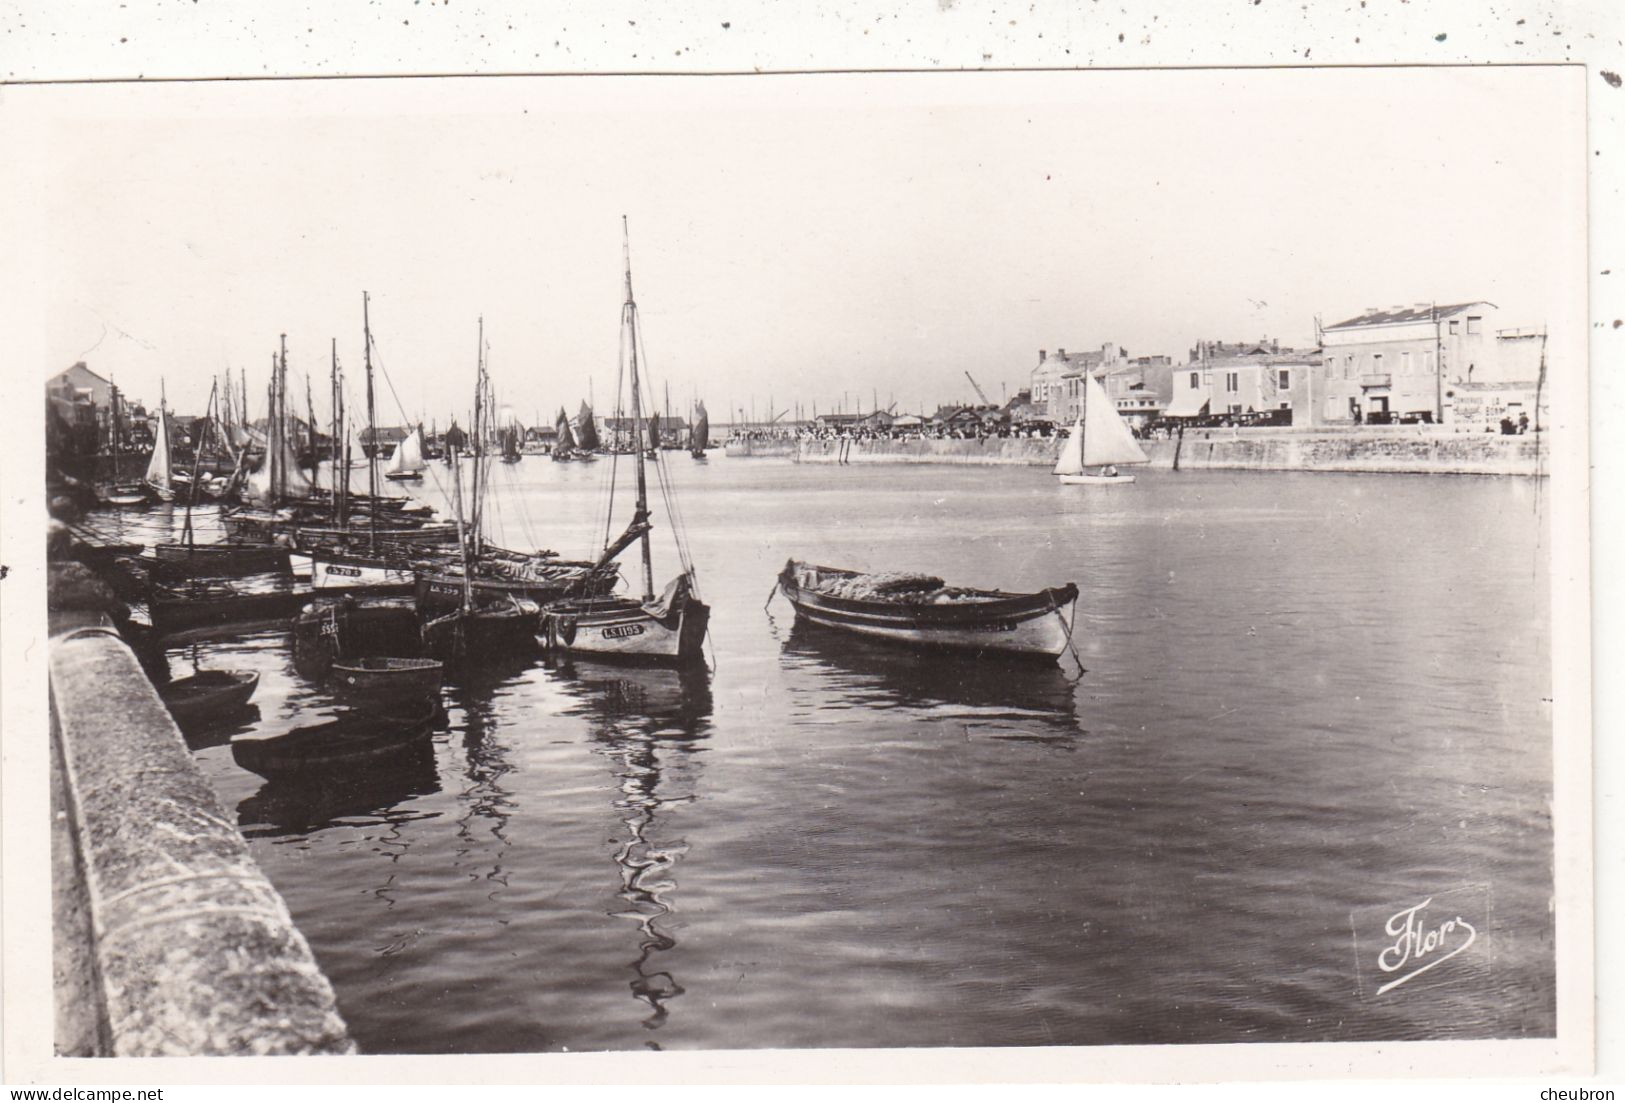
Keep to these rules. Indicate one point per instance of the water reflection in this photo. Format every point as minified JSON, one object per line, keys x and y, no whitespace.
{"x":1017,"y":701}
{"x":218,"y":730}
{"x":648,"y":724}
{"x":487,"y":802}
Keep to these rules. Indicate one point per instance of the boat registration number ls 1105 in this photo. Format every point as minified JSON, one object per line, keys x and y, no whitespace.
{"x":623,"y":631}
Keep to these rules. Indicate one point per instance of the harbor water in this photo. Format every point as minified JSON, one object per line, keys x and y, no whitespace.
{"x":1309,"y":702}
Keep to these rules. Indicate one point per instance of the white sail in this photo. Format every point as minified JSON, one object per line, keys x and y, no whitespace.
{"x":1071,"y":461}
{"x":1107,"y":439}
{"x":158,"y":467}
{"x":407,"y":459}
{"x":299,"y":484}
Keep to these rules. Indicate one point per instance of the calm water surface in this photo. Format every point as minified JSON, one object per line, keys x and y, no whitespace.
{"x":1310,"y":701}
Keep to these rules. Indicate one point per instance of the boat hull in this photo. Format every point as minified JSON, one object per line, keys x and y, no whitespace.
{"x":224,"y":560}
{"x":353,"y":744}
{"x":207,"y":696}
{"x":348,"y":572}
{"x":386,"y":682}
{"x":1013,"y":625}
{"x":622,"y":628}
{"x":439,"y":591}
{"x":1094,"y":480}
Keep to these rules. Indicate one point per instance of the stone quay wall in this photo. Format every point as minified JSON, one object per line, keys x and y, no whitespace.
{"x":1401,"y":449}
{"x":170,"y":939}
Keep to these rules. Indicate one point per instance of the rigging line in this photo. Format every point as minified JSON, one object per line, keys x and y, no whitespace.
{"x":378,"y":362}
{"x":679,"y":527}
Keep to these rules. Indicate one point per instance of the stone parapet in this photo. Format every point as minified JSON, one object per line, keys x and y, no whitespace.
{"x":193,"y":951}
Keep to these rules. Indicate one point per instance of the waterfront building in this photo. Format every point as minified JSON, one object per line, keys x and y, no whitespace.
{"x":380,"y":441}
{"x":1413,"y":362}
{"x":1248,"y":380}
{"x":1056,"y":384}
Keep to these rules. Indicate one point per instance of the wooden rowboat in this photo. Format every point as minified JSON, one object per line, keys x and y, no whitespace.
{"x":355,"y":743}
{"x":224,"y":560}
{"x":208,"y":695}
{"x":386,"y":680}
{"x":922,"y":612}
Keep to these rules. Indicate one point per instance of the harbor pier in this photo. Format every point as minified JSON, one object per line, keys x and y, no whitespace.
{"x":169,"y":940}
{"x":1405,"y":449}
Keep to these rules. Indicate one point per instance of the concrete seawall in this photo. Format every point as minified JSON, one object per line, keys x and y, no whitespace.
{"x":170,"y":940}
{"x":1402,"y":449}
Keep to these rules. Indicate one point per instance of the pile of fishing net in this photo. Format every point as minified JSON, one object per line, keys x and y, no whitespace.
{"x":901,"y":587}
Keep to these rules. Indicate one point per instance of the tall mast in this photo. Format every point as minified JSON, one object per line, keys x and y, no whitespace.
{"x":372,"y":426}
{"x":630,"y":319}
{"x":310,"y":427}
{"x":479,"y":430}
{"x":333,"y":404}
{"x":116,"y":433}
{"x":462,"y":543}
{"x":197,"y":467}
{"x":282,"y":415}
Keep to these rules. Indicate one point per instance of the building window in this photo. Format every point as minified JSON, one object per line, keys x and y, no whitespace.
{"x":1404,"y":363}
{"x":1474,"y":325}
{"x":1427,"y":363}
{"x":1286,"y":406}
{"x":1196,"y":379}
{"x":1232,"y":381}
{"x":1207,"y":379}
{"x":1455,"y":327}
{"x":1348,"y":367}
{"x":1376,"y":364}
{"x":1235,"y":408}
{"x":1285,"y":382}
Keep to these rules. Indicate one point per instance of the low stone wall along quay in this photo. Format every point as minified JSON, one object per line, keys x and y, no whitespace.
{"x":1401,"y":450}
{"x":179,"y":944}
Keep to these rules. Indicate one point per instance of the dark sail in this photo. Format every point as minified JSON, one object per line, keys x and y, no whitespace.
{"x":699,"y":436}
{"x":566,"y":440}
{"x":586,"y":430}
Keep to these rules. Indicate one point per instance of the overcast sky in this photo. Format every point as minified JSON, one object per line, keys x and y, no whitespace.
{"x":792,"y":237}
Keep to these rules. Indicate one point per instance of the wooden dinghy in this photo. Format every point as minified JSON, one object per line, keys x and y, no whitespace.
{"x":387,"y":681}
{"x":208,"y":695}
{"x":922,"y":611}
{"x":356,"y":743}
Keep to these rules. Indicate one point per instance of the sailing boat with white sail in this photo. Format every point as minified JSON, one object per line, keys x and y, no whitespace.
{"x":406,"y":462}
{"x":668,"y":628}
{"x":160,"y":481}
{"x":1100,"y":439}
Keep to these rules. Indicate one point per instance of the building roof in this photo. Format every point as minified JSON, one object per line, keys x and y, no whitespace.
{"x":1420,"y":312}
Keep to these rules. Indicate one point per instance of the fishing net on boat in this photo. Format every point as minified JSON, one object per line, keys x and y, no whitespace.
{"x":898,"y":587}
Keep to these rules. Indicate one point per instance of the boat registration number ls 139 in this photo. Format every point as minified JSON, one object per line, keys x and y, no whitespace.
{"x":623,"y":631}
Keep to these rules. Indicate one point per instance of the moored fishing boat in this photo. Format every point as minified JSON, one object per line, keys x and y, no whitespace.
{"x":670,"y":628}
{"x":159,"y":480}
{"x":921,"y":611}
{"x":223,"y":560}
{"x":699,"y":436}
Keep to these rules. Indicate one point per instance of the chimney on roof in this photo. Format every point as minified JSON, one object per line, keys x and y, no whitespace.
{"x":1043,"y":354}
{"x":1060,"y":354}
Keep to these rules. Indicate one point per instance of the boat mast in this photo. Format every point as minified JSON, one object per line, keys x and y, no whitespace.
{"x":116,"y":433}
{"x":372,"y":428}
{"x":630,"y":319}
{"x":462,"y":542}
{"x":282,"y":418}
{"x":333,"y":403}
{"x":1083,"y":421}
{"x":478,"y":445}
{"x":197,"y":467}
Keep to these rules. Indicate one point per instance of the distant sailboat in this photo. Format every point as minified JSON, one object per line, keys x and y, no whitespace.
{"x":699,"y":435}
{"x":510,"y":444}
{"x":586,"y":430}
{"x":1101,"y":439}
{"x":406,"y":462}
{"x":160,"y":479}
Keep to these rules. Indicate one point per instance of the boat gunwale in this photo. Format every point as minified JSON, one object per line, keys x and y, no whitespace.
{"x":1003,"y":605}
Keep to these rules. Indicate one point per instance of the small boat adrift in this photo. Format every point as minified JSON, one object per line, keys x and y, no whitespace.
{"x":387,"y":682}
{"x":353,"y":744}
{"x":208,"y":696}
{"x":922,"y":611}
